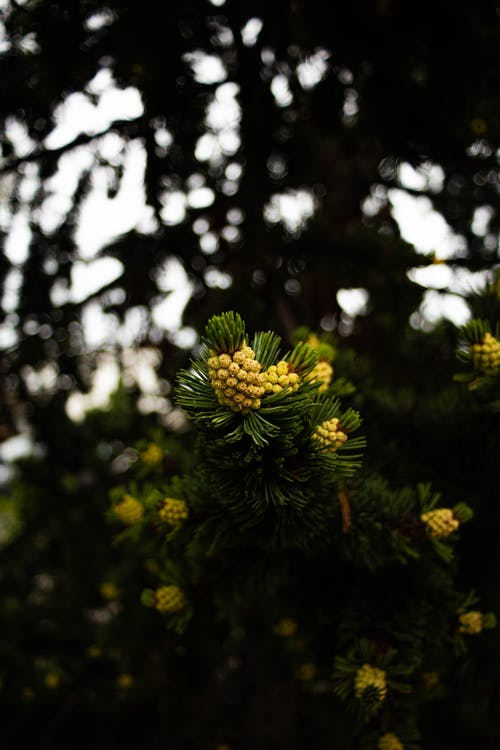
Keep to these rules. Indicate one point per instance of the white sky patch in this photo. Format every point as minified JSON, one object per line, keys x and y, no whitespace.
{"x":12,"y":289}
{"x":8,"y":336}
{"x":201,"y":197}
{"x":207,"y":69}
{"x":61,"y":187}
{"x":18,"y":240}
{"x":99,"y":20}
{"x":280,"y":89}
{"x":425,"y":228}
{"x":481,"y":219}
{"x":173,"y":280}
{"x":437,"y":305}
{"x":104,"y":383}
{"x":17,"y":134}
{"x":251,"y":31}
{"x":15,"y":448}
{"x":99,"y":328}
{"x":174,"y":207}
{"x":353,"y":301}
{"x":88,"y":278}
{"x":427,"y":176}
{"x":223,"y":122}
{"x":292,"y":209}
{"x":102,"y":218}
{"x":313,"y":69}
{"x":78,"y":114}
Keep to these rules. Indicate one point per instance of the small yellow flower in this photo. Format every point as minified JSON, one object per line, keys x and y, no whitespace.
{"x":440,"y":522}
{"x":52,"y":680}
{"x":277,"y":377}
{"x":173,"y":511}
{"x":129,"y":510}
{"x":93,"y":651}
{"x":152,"y":455}
{"x":471,"y":622}
{"x":306,"y":672}
{"x":329,"y":435}
{"x":125,"y":681}
{"x":486,"y":355}
{"x":322,"y":373}
{"x":109,"y":590}
{"x":286,"y":627}
{"x":389,"y":741}
{"x":237,"y":380}
{"x":430,"y":679}
{"x":169,"y":598}
{"x":370,"y":677}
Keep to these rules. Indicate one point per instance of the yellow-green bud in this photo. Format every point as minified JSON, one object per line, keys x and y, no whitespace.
{"x":286,"y":627}
{"x":109,"y":590}
{"x":329,"y":435}
{"x":370,"y":677}
{"x":173,"y":511}
{"x":124,"y":681}
{"x":440,"y":522}
{"x":471,"y":622}
{"x":152,"y":455}
{"x":129,"y":510}
{"x":277,"y":377}
{"x":237,"y":380}
{"x":486,"y":355}
{"x":169,"y":599}
{"x":389,"y":741}
{"x":321,"y":373}
{"x":52,"y":680}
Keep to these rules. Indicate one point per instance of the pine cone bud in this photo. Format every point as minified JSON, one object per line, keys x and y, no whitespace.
{"x":486,"y":355}
{"x":237,"y":380}
{"x":471,"y":622}
{"x":173,"y":511}
{"x":129,"y":510}
{"x":169,"y":599}
{"x":329,"y":435}
{"x":440,"y":522}
{"x":152,"y":455}
{"x":285,"y":627}
{"x":368,"y":677}
{"x":389,"y":741}
{"x":277,"y":377}
{"x":321,"y":373}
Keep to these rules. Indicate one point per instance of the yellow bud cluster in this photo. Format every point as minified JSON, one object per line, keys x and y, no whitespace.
{"x":329,"y":435}
{"x":285,"y":627}
{"x":109,"y":590}
{"x":237,"y":380}
{"x":173,"y":511}
{"x":440,"y":522}
{"x":321,"y":373}
{"x":125,"y":681}
{"x":306,"y":672}
{"x":152,"y":455}
{"x":471,"y":622}
{"x":129,"y":510}
{"x":169,"y":599}
{"x":486,"y":355}
{"x":277,"y":377}
{"x":389,"y":741}
{"x":52,"y":680}
{"x":370,"y":677}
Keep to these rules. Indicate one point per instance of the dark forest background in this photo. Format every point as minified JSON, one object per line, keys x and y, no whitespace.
{"x":328,"y":101}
